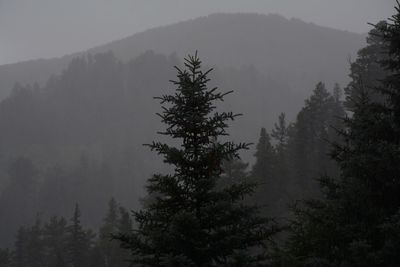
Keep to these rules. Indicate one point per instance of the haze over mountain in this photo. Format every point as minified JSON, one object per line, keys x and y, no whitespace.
{"x":84,"y":122}
{"x":230,"y":138}
{"x":296,"y":52}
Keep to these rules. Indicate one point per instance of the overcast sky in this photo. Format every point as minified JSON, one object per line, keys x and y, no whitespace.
{"x":45,"y":28}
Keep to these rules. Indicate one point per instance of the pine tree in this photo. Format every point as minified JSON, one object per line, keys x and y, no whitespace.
{"x":110,"y":249}
{"x":29,"y":246}
{"x":125,"y":223}
{"x":234,"y":171}
{"x":55,"y":242}
{"x":366,"y":72}
{"x":20,"y":248}
{"x":280,"y":133}
{"x":309,"y":142}
{"x":192,"y":222}
{"x":79,"y":241}
{"x":35,"y":248}
{"x":264,"y":169}
{"x":124,"y":226}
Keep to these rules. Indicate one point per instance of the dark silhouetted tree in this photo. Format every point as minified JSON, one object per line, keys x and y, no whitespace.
{"x":309,"y":142}
{"x":263,"y":170}
{"x":115,"y":221}
{"x":191,"y":222}
{"x":280,"y":133}
{"x":35,"y":245}
{"x":79,"y":241}
{"x":55,"y":238}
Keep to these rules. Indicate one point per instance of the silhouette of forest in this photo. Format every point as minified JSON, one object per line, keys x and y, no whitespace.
{"x":296,"y":166}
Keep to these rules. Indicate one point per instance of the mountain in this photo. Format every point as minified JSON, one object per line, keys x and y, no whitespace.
{"x":298,"y":53}
{"x":79,"y":129}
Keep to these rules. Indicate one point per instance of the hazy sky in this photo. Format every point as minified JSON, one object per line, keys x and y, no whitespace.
{"x":45,"y":28}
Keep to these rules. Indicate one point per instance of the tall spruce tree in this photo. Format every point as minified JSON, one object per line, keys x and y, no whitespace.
{"x":265,"y":154}
{"x":192,"y":222}
{"x":366,"y":72}
{"x":79,"y":241}
{"x":55,"y":242}
{"x":309,"y":142}
{"x":263,"y":171}
{"x":280,"y":134}
{"x":35,"y":245}
{"x":111,"y":252}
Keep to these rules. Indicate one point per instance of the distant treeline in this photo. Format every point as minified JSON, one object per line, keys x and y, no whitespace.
{"x":60,"y":242}
{"x":283,"y":160}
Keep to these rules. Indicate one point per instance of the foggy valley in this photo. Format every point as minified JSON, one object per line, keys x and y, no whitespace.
{"x":227,"y":136}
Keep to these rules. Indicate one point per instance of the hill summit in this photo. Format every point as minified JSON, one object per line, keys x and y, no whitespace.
{"x":291,"y":50}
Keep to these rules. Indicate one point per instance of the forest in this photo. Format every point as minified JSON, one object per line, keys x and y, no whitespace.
{"x":162,"y":160}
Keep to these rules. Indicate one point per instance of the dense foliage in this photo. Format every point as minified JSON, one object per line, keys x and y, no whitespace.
{"x":58,"y":242}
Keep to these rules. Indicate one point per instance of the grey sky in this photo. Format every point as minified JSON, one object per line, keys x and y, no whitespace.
{"x":45,"y":28}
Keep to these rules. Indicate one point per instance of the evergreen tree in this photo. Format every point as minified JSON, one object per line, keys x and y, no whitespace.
{"x":55,"y":241}
{"x":263,"y":171}
{"x":29,"y":247}
{"x":111,"y":219}
{"x":309,"y":142}
{"x":35,"y":248}
{"x":280,"y":133}
{"x":234,"y":171}
{"x":110,"y":249}
{"x":79,"y":241}
{"x":263,"y":168}
{"x":20,"y":248}
{"x":192,"y":222}
{"x":124,"y":227}
{"x":366,"y":72}
{"x":125,"y":223}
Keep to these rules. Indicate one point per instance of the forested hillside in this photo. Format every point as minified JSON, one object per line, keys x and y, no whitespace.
{"x":292,"y":51}
{"x":253,"y":149}
{"x":92,"y":120}
{"x":79,"y":131}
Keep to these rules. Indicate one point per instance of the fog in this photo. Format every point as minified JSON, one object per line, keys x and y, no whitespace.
{"x":199,"y":133}
{"x":47,"y":28}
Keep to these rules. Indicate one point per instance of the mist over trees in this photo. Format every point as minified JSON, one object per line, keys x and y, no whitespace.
{"x":294,"y":52}
{"x":318,"y":186}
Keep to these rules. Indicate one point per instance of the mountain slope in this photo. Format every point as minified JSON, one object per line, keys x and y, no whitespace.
{"x":296,"y":52}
